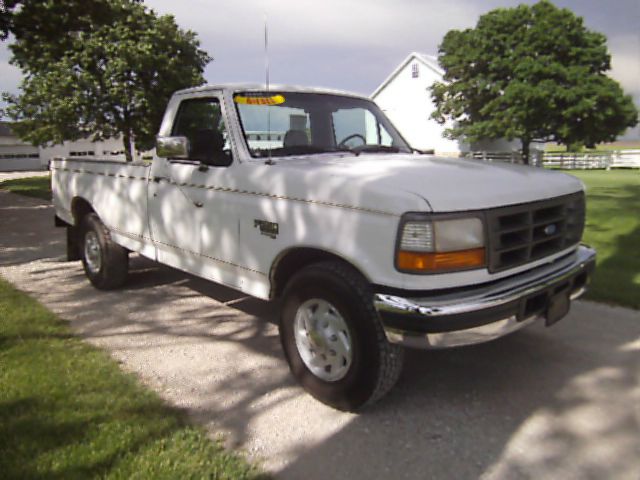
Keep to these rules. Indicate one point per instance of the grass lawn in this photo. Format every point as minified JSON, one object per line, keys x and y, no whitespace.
{"x":68,"y":411}
{"x":613,"y":228}
{"x":38,"y":187}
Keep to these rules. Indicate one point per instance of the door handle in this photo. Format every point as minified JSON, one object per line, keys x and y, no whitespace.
{"x":159,"y":179}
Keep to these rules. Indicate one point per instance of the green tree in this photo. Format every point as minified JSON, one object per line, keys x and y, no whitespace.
{"x":40,"y":25}
{"x":108,"y":70}
{"x":532,"y":73}
{"x":6,"y":13}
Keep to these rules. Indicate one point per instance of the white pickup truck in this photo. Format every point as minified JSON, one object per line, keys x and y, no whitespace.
{"x":312,"y":197}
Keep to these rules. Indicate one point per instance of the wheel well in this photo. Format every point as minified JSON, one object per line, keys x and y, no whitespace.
{"x":79,"y":208}
{"x":291,"y":261}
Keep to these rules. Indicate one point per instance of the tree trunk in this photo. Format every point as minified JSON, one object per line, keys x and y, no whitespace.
{"x":126,"y":140}
{"x":525,"y":150}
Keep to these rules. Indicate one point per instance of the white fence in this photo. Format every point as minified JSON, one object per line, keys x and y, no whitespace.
{"x":509,"y":157}
{"x":583,"y":161}
{"x":613,"y":159}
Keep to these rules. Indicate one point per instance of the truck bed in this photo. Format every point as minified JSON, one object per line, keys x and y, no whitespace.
{"x":116,"y":191}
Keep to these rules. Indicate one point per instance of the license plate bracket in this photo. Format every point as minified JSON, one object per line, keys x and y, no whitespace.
{"x":558,"y":307}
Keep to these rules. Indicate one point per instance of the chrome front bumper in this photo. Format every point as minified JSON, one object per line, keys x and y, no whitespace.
{"x":478,"y":314}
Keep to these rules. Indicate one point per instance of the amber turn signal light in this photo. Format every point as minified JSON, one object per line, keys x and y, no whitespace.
{"x":435,"y":261}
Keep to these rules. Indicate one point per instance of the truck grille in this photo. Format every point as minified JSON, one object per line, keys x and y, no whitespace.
{"x":524,"y":233}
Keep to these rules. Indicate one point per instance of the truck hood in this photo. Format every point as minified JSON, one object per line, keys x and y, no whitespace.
{"x":445,"y":184}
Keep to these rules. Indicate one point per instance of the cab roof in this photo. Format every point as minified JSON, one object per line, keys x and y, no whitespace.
{"x":244,"y":87}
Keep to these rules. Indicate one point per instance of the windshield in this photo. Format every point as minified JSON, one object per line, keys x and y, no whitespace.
{"x":292,"y":123}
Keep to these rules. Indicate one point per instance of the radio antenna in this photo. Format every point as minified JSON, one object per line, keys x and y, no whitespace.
{"x":266,"y":74}
{"x":266,"y":50}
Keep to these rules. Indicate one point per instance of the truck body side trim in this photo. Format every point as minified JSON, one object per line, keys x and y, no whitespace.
{"x":143,"y":237}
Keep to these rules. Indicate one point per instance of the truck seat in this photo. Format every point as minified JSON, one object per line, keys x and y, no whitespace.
{"x":295,"y":138}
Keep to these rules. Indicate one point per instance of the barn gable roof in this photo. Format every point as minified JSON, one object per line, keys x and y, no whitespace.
{"x":428,"y":61}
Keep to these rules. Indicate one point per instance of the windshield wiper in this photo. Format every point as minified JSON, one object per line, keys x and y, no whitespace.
{"x":291,"y":150}
{"x":341,"y":149}
{"x":311,"y":149}
{"x":375,"y":148}
{"x":305,"y":150}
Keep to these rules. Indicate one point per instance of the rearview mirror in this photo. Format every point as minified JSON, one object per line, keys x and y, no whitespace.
{"x":172,"y":147}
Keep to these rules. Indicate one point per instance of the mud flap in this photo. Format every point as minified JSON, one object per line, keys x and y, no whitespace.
{"x":73,"y":250}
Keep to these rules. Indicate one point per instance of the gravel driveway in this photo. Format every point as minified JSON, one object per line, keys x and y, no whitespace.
{"x":558,"y":403}
{"x":12,"y":175}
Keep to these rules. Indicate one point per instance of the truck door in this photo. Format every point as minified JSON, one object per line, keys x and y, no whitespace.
{"x":193,"y":223}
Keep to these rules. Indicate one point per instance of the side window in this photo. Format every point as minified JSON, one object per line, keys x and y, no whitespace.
{"x":201,"y":121}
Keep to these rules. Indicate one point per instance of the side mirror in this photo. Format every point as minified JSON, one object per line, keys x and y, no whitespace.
{"x":172,"y":147}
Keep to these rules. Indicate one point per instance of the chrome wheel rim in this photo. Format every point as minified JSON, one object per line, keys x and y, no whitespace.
{"x":92,"y":252}
{"x":323,"y":339}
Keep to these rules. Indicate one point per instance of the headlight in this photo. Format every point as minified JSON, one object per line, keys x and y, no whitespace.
{"x":431,"y":245}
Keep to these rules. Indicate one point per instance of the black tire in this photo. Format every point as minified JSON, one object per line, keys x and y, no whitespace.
{"x":107,"y":264}
{"x":375,"y":364}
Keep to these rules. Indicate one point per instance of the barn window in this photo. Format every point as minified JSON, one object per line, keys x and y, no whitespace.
{"x":415,"y":73}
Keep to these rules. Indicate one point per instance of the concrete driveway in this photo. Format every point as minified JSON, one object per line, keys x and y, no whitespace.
{"x":562,"y":402}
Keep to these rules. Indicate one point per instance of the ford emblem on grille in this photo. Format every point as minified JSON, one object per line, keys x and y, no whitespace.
{"x":550,"y":229}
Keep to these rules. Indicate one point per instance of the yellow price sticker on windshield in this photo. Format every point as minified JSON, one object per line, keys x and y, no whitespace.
{"x":259,"y":99}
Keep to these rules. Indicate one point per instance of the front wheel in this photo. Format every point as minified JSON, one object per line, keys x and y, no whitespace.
{"x":105,"y":263}
{"x":333,"y":340}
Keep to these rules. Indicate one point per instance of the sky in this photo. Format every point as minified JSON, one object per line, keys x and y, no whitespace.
{"x":355,"y":44}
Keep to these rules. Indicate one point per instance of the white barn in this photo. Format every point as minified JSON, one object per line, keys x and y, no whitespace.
{"x":17,"y":155}
{"x":406,"y":99}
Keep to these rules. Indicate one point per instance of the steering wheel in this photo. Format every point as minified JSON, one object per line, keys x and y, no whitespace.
{"x":344,"y":141}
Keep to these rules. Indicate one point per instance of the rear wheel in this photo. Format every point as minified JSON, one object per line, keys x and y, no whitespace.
{"x":105,"y":263}
{"x":333,"y":339}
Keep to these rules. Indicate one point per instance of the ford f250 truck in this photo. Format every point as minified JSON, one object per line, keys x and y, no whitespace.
{"x":312,"y":197}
